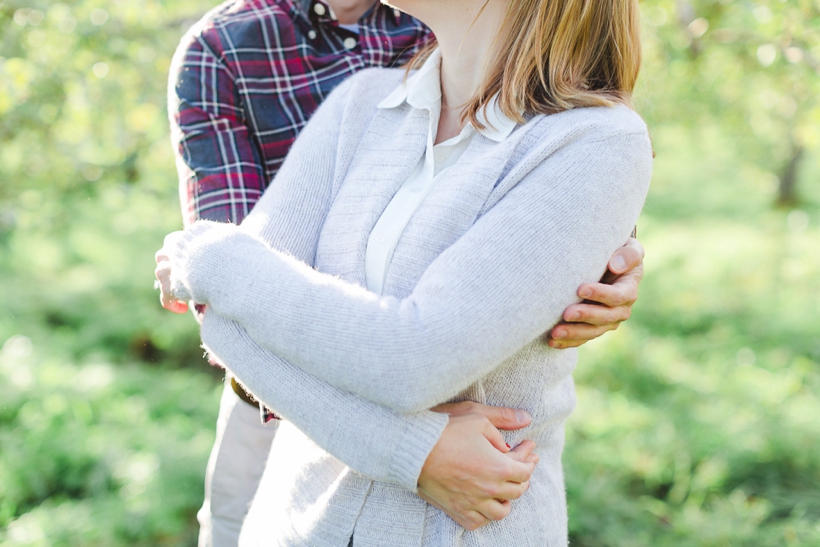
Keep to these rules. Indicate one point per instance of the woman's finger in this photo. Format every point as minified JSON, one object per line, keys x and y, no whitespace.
{"x":495,"y":509}
{"x":473,"y":520}
{"x":512,"y":490}
{"x":468,"y":519}
{"x":518,"y":471}
{"x":494,"y":436}
{"x":522,"y":451}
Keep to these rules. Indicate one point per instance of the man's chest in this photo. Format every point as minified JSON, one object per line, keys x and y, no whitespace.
{"x":285,"y":65}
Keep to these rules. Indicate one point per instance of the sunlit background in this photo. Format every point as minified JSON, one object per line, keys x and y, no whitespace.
{"x":698,"y":421}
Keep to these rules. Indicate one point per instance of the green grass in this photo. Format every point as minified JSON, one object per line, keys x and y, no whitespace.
{"x":100,"y":453}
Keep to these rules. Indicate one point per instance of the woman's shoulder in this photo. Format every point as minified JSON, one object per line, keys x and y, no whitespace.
{"x":379,"y":78}
{"x":370,"y":86}
{"x":615,"y":129}
{"x":593,"y":123}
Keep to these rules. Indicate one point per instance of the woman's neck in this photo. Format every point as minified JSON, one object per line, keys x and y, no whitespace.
{"x":466,"y":32}
{"x":466,"y":44}
{"x":349,"y":12}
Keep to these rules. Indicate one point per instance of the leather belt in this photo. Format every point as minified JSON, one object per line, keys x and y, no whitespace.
{"x":240,"y":391}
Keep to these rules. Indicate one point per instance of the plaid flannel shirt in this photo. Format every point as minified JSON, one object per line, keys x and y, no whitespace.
{"x":246,"y":79}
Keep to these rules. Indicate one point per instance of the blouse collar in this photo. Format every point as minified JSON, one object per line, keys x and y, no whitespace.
{"x":422,"y":90}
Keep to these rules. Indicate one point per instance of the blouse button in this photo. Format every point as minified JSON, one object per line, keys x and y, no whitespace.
{"x":312,"y":33}
{"x":382,"y":239}
{"x":440,"y":157}
{"x":349,"y":42}
{"x":319,"y":9}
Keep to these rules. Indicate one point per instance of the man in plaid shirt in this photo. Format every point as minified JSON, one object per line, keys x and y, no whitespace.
{"x":244,"y":82}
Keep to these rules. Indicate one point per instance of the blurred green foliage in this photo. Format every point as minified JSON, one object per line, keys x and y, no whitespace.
{"x":697,"y":421}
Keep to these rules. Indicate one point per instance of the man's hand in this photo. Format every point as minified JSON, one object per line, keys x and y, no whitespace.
{"x":472,"y":474}
{"x":163,"y":275}
{"x":606,"y":304}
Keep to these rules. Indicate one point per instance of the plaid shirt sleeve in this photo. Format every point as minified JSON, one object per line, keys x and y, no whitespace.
{"x":220,"y":168}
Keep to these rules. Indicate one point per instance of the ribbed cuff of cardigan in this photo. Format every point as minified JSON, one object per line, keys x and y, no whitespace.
{"x":416,"y":445}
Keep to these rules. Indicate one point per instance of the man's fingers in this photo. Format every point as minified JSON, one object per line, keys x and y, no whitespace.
{"x":595,"y":315}
{"x":579,"y":333}
{"x":633,"y":243}
{"x":163,"y":275}
{"x":172,"y":304}
{"x":628,"y":257}
{"x":623,"y":291}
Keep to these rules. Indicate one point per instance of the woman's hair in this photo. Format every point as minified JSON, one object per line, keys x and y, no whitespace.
{"x":554,"y":55}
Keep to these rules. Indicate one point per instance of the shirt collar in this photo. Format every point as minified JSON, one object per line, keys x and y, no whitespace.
{"x":309,"y":10}
{"x":422,"y":90}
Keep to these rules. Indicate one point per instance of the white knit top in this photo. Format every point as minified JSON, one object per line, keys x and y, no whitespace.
{"x":486,"y":264}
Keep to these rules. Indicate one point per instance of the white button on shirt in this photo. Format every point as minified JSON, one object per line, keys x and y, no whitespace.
{"x":422,"y":90}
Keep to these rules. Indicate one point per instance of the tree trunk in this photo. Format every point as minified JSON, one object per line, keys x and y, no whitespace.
{"x":787,"y":191}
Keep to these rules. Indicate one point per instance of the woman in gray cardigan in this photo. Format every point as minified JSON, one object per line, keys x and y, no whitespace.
{"x":421,"y":236}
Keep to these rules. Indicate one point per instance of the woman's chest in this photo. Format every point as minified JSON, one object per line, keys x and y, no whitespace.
{"x":381,"y":164}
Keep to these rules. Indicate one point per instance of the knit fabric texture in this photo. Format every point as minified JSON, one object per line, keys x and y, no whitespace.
{"x":485,"y":266}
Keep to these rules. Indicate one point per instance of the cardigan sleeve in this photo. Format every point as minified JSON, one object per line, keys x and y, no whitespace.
{"x":496,"y":289}
{"x":370,"y":438}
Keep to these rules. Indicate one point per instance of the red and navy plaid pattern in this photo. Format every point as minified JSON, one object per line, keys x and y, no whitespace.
{"x":247,"y":79}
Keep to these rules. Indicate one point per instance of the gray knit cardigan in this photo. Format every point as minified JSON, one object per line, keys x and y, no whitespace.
{"x":485,"y":266}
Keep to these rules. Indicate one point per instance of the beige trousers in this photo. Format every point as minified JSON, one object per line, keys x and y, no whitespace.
{"x":234,"y":469}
